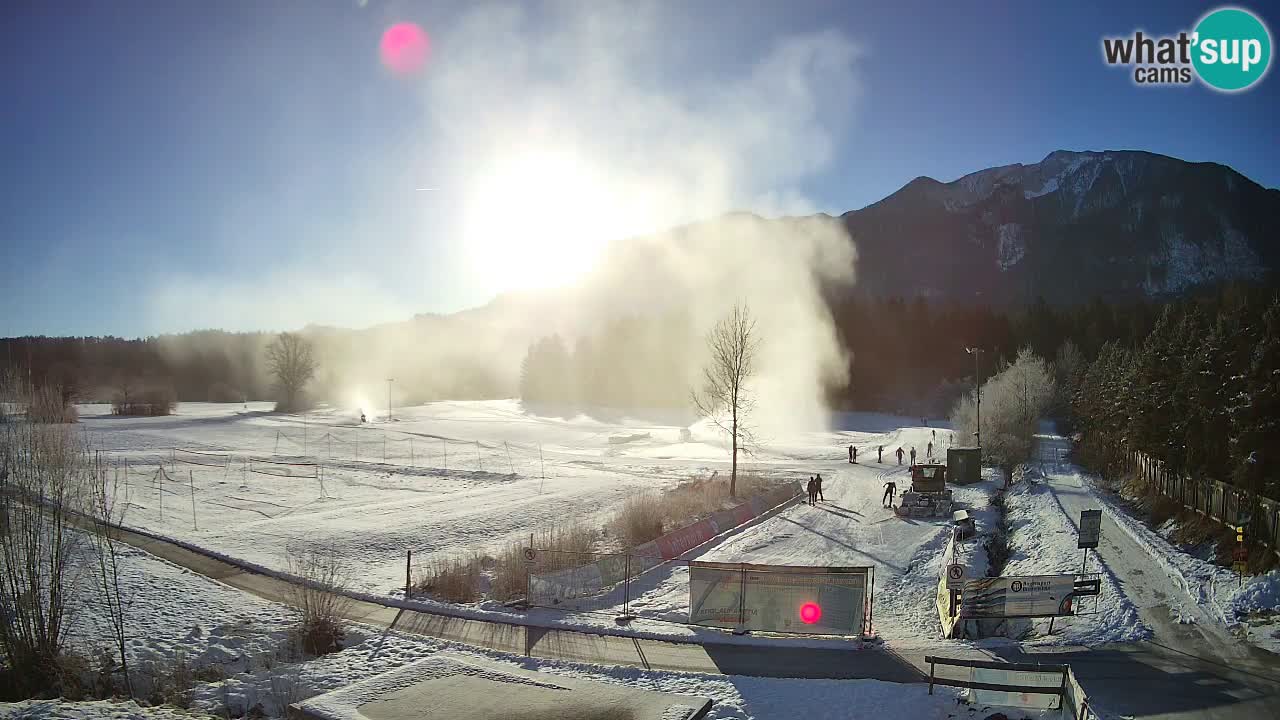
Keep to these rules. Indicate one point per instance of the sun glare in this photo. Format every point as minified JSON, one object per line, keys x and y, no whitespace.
{"x":540,"y":220}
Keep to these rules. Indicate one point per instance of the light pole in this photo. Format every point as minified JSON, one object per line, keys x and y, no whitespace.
{"x":977,"y":390}
{"x":389,"y":381}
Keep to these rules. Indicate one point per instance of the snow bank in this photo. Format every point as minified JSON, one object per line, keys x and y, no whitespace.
{"x":1043,"y":541}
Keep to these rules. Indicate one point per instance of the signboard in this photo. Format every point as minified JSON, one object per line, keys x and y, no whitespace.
{"x":530,"y":556}
{"x":955,"y":575}
{"x":1009,"y":698}
{"x":1090,"y":528}
{"x":777,"y":598}
{"x":1032,"y":596}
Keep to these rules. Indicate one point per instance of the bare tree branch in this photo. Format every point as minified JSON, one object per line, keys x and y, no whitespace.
{"x":291,"y":359}
{"x":725,"y":399}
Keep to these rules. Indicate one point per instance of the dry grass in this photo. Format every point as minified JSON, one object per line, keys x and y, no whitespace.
{"x":646,"y":516}
{"x":461,"y":578}
{"x":456,"y":578}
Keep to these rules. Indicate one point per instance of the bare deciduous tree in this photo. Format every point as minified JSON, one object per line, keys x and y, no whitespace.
{"x":725,"y":398}
{"x":291,"y":359}
{"x":107,"y":512}
{"x":46,"y":475}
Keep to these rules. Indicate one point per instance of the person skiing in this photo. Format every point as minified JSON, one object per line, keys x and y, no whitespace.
{"x":817,"y":487}
{"x":850,"y":453}
{"x":362,"y":418}
{"x":935,"y":434}
{"x":913,"y":455}
{"x":890,"y":489}
{"x":811,"y":490}
{"x":899,"y":454}
{"x":855,"y":455}
{"x":929,"y":452}
{"x":880,"y":454}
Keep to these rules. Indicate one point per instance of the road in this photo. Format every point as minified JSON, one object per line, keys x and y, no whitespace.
{"x":1195,"y":670}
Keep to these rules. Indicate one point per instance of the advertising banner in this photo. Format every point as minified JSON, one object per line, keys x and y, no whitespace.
{"x":812,"y":600}
{"x":1010,"y":698}
{"x":1033,"y":596}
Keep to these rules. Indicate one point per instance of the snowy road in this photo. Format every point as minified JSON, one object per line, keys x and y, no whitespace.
{"x":1188,"y":669}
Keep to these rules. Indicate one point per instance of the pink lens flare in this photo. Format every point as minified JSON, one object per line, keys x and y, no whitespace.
{"x":810,"y":613}
{"x":404,"y":48}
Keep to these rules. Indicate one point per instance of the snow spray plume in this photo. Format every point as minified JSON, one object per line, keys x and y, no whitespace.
{"x":635,"y":137}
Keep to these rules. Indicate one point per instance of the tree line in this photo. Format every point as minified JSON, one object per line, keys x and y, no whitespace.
{"x":1200,"y":391}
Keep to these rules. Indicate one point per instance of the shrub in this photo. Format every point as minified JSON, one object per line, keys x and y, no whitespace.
{"x":320,"y":598}
{"x":456,"y":579}
{"x":640,"y":519}
{"x":49,"y":404}
{"x":151,"y":401}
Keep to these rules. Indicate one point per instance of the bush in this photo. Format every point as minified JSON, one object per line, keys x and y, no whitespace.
{"x":640,"y":519}
{"x":320,"y":598}
{"x":153,"y":401}
{"x":49,"y":404}
{"x":456,"y":579}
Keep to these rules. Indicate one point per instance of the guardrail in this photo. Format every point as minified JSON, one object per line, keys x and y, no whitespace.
{"x":1068,"y":690}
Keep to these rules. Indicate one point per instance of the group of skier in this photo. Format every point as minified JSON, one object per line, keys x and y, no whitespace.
{"x":815,"y":490}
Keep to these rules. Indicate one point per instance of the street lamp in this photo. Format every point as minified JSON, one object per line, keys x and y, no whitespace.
{"x":977,"y":390}
{"x":389,"y":381}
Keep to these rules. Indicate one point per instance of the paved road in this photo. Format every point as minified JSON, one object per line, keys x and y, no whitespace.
{"x":1186,"y":670}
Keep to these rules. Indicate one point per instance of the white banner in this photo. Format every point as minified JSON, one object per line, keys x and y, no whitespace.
{"x":812,"y":600}
{"x":1016,"y":699}
{"x":1033,"y":596}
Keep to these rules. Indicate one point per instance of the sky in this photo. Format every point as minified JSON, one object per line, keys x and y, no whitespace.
{"x":255,"y":165}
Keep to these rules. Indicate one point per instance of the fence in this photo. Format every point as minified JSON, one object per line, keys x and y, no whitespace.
{"x":590,"y":581}
{"x":1227,"y":504}
{"x":781,"y":598}
{"x":1025,"y":685}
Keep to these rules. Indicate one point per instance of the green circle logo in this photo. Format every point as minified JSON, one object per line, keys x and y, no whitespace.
{"x":1232,"y":49}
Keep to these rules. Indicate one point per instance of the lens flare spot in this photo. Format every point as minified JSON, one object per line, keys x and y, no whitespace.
{"x":810,"y":613}
{"x":404,"y":48}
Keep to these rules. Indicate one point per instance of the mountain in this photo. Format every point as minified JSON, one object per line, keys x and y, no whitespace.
{"x":1077,"y":225}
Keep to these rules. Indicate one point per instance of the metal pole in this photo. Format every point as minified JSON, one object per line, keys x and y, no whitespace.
{"x":626,"y":588}
{"x":408,"y":586}
{"x":543,"y":464}
{"x":160,"y":487}
{"x":479,"y":462}
{"x":191,"y":478}
{"x":445,"y":444}
{"x":509,"y":463}
{"x":389,"y":381}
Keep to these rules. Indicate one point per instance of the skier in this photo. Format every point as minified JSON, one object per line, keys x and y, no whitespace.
{"x":913,"y":455}
{"x":362,"y":418}
{"x":817,"y":486}
{"x":899,"y":454}
{"x":811,"y":490}
{"x":855,"y":455}
{"x":890,"y":489}
{"x":929,"y":452}
{"x":935,"y":434}
{"x":880,"y":454}
{"x":850,"y":453}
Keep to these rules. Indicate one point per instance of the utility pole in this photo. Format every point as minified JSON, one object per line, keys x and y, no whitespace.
{"x":389,"y":381}
{"x":977,"y":390}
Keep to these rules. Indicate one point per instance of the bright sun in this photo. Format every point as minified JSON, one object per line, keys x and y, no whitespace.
{"x":540,"y":219}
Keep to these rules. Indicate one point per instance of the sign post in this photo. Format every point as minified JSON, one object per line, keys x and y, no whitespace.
{"x":1090,"y":533}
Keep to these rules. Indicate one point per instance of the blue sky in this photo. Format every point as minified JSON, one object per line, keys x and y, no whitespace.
{"x":252,"y":165}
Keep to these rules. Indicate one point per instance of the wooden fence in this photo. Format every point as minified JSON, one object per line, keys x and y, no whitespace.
{"x":1219,"y":501}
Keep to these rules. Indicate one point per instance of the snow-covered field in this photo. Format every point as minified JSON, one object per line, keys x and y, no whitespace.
{"x":173,"y":612}
{"x":460,"y":476}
